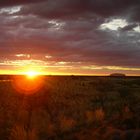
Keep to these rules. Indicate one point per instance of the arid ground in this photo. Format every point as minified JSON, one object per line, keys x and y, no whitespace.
{"x":71,"y":108}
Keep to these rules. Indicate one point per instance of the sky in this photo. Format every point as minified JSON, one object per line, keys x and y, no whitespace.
{"x":89,"y":37}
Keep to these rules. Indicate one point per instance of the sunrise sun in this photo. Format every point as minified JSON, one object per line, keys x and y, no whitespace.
{"x":31,"y":74}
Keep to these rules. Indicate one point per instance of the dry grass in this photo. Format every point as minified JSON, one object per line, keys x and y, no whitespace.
{"x":19,"y":133}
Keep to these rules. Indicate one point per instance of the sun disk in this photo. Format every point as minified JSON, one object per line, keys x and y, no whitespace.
{"x":32,"y":74}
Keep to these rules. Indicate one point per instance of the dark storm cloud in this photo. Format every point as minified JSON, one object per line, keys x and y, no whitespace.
{"x":69,"y":8}
{"x":5,"y":3}
{"x":82,"y":8}
{"x":128,"y":27}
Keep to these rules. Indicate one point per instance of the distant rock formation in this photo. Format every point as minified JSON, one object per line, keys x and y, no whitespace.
{"x":117,"y":75}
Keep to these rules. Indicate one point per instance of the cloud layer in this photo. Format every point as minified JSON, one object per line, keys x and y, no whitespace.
{"x":100,"y":33}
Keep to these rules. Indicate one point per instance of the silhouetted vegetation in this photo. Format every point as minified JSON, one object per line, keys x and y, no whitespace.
{"x":72,"y":108}
{"x":117,"y":75}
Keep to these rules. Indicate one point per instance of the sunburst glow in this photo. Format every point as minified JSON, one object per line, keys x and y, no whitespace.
{"x":30,"y":83}
{"x":31,"y":74}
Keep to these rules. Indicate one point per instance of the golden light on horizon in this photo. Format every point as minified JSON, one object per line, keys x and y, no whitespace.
{"x":32,"y":74}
